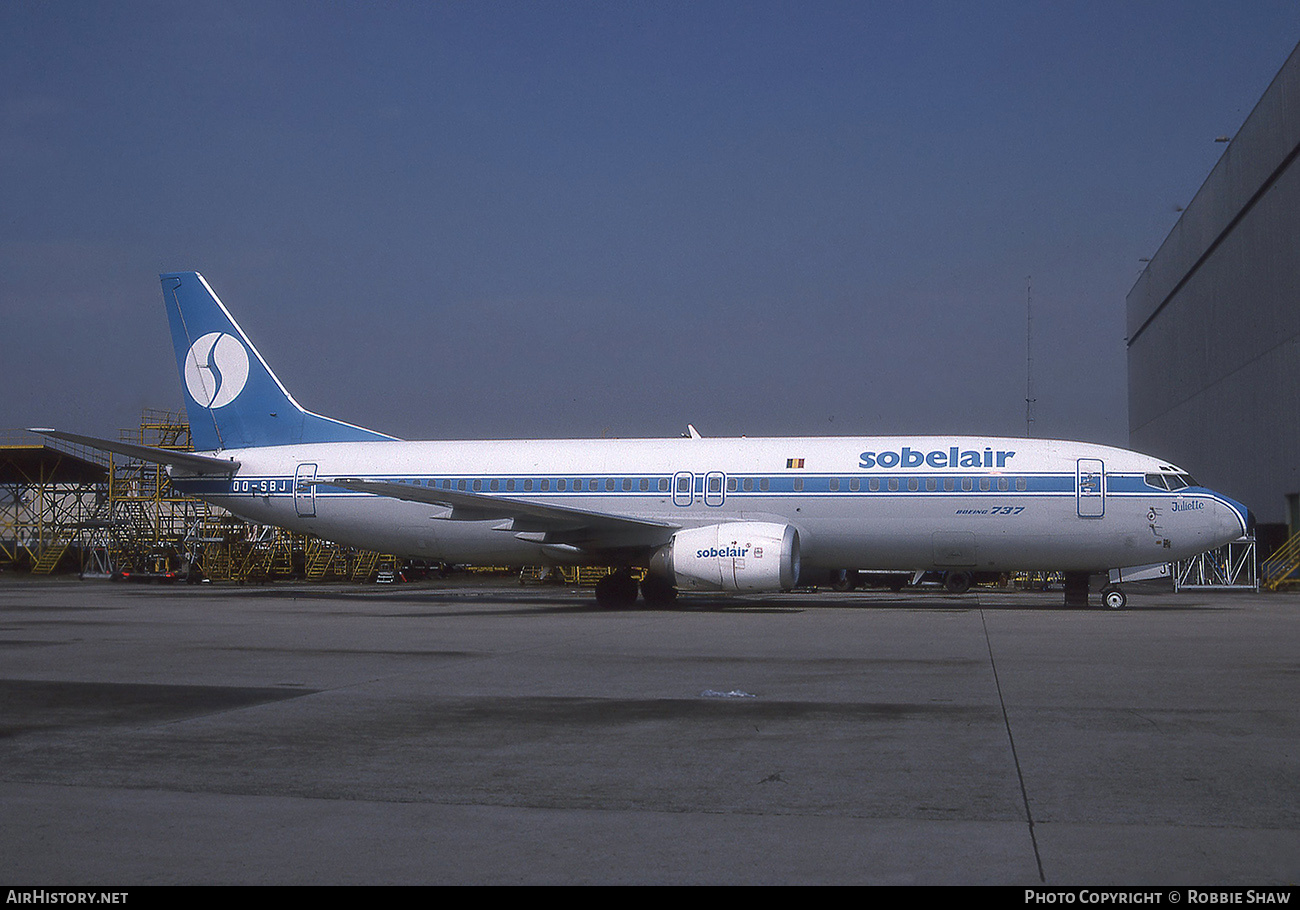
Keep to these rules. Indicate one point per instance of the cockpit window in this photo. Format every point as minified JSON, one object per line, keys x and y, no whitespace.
{"x":1170,"y":481}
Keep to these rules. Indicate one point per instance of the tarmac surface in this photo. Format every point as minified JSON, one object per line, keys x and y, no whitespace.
{"x":451,"y":733}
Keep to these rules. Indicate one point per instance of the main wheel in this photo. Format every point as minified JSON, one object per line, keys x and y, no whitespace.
{"x":657,"y":591}
{"x":844,"y":579}
{"x":957,"y":582}
{"x":616,"y":591}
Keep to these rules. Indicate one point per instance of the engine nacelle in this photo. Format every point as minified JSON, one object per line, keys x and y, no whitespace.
{"x":735,"y":556}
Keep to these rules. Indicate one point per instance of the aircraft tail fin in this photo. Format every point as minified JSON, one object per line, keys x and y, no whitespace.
{"x":233,"y":399}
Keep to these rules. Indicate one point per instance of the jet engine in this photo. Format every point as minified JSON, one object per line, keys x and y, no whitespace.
{"x":735,"y":556}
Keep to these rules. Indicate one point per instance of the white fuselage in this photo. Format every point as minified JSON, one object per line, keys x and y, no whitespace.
{"x":901,"y":503}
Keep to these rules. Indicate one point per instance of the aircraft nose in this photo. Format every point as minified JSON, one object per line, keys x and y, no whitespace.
{"x":1238,"y":520}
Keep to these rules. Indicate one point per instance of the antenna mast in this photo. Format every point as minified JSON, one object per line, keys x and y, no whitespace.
{"x":1029,"y":356}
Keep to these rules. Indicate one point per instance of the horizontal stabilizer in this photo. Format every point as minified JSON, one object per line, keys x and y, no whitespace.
{"x":188,"y":461}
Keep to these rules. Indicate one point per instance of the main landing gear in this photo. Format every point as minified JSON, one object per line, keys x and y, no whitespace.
{"x":618,"y":591}
{"x":957,"y":582}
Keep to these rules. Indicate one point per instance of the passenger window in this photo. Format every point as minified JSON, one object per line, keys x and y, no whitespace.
{"x":546,"y":485}
{"x":913,"y":484}
{"x":645,"y":484}
{"x":762,"y":484}
{"x":1021,"y":485}
{"x":1003,"y":484}
{"x":855,"y":485}
{"x":874,"y":485}
{"x":966,"y":485}
{"x":798,"y":484}
{"x":984,"y":485}
{"x":931,"y":484}
{"x":948,"y":485}
{"x":835,"y":484}
{"x":663,"y":484}
{"x":893,"y":484}
{"x":561,"y":484}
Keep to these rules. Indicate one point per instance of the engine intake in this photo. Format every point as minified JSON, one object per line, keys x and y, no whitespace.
{"x":735,"y":556}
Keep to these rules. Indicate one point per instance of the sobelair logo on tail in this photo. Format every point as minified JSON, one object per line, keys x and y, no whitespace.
{"x":216,"y":369}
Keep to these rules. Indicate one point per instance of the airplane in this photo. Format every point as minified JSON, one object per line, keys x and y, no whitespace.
{"x":696,"y":513}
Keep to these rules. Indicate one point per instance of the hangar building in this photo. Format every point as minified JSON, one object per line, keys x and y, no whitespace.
{"x":1214,"y":321}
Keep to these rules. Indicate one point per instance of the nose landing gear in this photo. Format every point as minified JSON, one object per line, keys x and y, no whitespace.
{"x":1113,"y":598}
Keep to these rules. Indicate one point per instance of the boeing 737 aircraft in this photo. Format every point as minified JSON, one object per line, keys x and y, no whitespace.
{"x":699,"y":514}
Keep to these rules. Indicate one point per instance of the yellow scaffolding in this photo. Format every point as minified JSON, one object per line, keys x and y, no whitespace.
{"x":52,"y":503}
{"x":151,"y":520}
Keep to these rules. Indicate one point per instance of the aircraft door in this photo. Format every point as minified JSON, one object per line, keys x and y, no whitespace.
{"x":715,"y":488}
{"x":1090,"y":488}
{"x":304,"y":491}
{"x":683,"y":488}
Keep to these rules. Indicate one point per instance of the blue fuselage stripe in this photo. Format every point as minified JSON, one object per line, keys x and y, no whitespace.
{"x":656,"y":485}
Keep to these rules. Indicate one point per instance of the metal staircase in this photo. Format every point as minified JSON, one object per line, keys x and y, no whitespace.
{"x":49,"y":557}
{"x":325,"y":559}
{"x":364,"y":567}
{"x":1280,"y":569}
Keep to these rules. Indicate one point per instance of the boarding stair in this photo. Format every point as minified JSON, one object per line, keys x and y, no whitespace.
{"x":324,"y":558}
{"x":365,"y":565}
{"x":49,"y":557}
{"x":1281,"y":568}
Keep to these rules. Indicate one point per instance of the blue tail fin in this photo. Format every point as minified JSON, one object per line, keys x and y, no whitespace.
{"x":233,"y":399}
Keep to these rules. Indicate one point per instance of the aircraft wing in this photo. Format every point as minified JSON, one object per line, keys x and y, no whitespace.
{"x":542,"y":522}
{"x":188,"y":461}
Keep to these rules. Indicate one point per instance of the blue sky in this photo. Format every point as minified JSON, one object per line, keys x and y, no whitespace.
{"x":452,"y":220}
